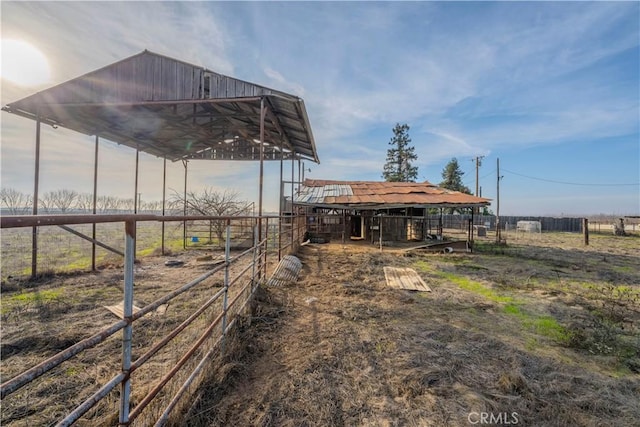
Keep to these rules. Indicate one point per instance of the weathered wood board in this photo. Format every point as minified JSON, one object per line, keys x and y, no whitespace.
{"x":118,"y":309}
{"x":405,"y":278}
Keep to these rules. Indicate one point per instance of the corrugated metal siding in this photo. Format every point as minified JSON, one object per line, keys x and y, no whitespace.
{"x":110,"y":102}
{"x":152,"y":77}
{"x":228,"y":87}
{"x":145,"y":77}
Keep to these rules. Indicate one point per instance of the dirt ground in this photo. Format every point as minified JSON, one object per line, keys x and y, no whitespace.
{"x":540,"y":332}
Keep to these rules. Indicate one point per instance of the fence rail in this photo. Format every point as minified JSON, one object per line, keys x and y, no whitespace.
{"x":222,"y":307}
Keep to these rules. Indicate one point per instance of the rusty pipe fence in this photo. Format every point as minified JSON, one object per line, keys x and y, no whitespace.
{"x":221,"y":309}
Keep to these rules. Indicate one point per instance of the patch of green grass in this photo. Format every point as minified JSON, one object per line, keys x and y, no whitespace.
{"x":81,"y":263}
{"x":546,"y":326}
{"x":23,"y":300}
{"x":475,"y":287}
{"x":423,"y":266}
{"x":43,"y":296}
{"x":549,"y":327}
{"x":543,"y":325}
{"x":513,"y":309}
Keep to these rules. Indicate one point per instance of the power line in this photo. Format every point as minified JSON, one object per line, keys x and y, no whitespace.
{"x":467,"y":182}
{"x":568,"y":183}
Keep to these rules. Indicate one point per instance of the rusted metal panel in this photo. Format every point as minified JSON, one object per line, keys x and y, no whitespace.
{"x":369,"y":195}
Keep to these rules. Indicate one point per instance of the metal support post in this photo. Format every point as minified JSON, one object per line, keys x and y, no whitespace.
{"x":291,"y":211}
{"x":95,"y":203}
{"x":280,"y":204}
{"x":164,"y":197}
{"x":255,"y":257}
{"x":262,"y":114}
{"x":135,"y":194}
{"x":227,"y":257}
{"x":266,"y":248}
{"x":127,"y":332}
{"x":184,"y":207}
{"x":36,"y":182}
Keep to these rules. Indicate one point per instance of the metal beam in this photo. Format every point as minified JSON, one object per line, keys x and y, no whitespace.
{"x":92,"y":240}
{"x":278,"y":127}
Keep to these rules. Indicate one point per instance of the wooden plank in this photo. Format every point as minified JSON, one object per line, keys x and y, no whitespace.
{"x":405,"y":278}
{"x":118,"y":310}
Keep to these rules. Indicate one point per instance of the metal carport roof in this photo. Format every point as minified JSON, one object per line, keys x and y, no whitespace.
{"x":172,"y":109}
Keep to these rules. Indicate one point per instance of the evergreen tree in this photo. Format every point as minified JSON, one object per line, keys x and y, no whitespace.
{"x":398,"y":167}
{"x":452,"y":177}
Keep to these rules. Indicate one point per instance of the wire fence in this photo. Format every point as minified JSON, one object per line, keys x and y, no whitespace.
{"x":61,"y":251}
{"x":142,"y":378}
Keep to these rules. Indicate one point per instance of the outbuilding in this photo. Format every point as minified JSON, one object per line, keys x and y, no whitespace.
{"x":379,"y":211}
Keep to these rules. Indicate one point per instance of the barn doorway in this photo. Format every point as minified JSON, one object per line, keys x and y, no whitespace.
{"x":357,"y":227}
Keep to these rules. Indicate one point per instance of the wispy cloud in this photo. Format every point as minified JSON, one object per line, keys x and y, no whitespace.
{"x":470,"y":78}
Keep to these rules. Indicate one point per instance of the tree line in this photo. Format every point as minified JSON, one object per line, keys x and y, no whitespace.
{"x":15,"y":202}
{"x":205,"y":202}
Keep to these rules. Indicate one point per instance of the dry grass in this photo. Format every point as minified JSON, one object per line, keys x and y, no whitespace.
{"x":543,"y":327}
{"x":498,"y":334}
{"x":47,"y":316}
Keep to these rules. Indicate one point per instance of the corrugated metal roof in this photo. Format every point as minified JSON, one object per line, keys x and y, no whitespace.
{"x":176,"y":110}
{"x":374,"y":195}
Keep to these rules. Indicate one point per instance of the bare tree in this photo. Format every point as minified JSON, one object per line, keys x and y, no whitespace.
{"x":16,"y":202}
{"x":62,"y":200}
{"x":212,"y":203}
{"x":151,"y":206}
{"x":84,"y":202}
{"x":46,"y":203}
{"x":127,"y":204}
{"x":108,"y":203}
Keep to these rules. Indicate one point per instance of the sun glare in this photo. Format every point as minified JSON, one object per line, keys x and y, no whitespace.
{"x":23,"y":64}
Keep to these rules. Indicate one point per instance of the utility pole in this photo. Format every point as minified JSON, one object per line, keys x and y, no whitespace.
{"x":478,"y":161}
{"x":498,"y":234}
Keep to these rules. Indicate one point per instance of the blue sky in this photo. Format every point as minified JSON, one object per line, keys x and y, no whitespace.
{"x":550,"y":88}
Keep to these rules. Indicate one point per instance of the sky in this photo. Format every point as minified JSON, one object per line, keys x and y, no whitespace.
{"x":551,"y":89}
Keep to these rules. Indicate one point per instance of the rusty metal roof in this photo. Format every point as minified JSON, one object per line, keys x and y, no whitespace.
{"x":375,"y":195}
{"x":169,"y":108}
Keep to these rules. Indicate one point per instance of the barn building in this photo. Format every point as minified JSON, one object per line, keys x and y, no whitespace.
{"x":379,"y":211}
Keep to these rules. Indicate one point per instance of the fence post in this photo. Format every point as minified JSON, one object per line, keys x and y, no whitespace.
{"x":266,"y":247}
{"x":585,"y":230}
{"x":127,"y":309}
{"x":255,"y":257}
{"x":227,"y":250}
